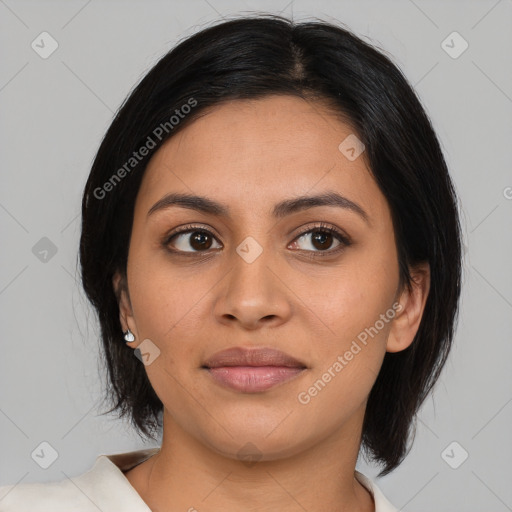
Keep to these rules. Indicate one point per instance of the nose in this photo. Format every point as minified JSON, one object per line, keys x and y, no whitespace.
{"x":253,"y":294}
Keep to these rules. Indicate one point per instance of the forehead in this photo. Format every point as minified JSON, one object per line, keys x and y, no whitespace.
{"x":250,"y":154}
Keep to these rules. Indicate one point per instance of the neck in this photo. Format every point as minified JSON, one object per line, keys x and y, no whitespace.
{"x":187,"y":475}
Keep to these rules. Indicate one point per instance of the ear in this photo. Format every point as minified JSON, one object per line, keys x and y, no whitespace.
{"x":412,"y":304}
{"x":126,"y":319}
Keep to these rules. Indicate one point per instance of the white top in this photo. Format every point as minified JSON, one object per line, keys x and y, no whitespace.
{"x":105,"y":487}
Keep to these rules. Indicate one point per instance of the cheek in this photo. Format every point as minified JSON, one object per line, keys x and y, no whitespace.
{"x":348,"y":359}
{"x":170,"y":307}
{"x":352,"y":296}
{"x":161,"y":295}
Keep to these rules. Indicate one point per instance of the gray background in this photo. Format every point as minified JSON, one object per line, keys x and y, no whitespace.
{"x":54,"y":114}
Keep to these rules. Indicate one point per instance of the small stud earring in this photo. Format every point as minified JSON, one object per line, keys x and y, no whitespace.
{"x":128,"y":336}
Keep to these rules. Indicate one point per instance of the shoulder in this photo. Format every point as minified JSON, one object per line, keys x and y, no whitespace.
{"x":44,"y":497}
{"x":103,"y":487}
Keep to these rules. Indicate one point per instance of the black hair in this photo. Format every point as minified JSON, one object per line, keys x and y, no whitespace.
{"x":249,"y":58}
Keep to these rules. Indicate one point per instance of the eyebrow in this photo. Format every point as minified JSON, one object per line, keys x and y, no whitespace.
{"x":280,"y":210}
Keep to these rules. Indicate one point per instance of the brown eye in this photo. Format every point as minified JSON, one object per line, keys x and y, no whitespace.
{"x":192,"y":240}
{"x":321,"y":239}
{"x":318,"y":240}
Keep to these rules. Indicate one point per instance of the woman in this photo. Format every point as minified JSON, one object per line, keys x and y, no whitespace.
{"x":271,"y":241}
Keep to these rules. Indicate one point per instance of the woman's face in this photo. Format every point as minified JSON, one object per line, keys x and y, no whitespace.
{"x":264,"y":277}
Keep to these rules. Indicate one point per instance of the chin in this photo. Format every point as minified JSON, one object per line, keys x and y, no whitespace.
{"x":252,"y":445}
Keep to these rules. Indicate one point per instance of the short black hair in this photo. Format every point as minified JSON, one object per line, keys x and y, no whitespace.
{"x":251,"y":57}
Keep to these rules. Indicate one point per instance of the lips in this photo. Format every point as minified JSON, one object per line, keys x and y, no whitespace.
{"x":252,"y":370}
{"x":240,"y":356}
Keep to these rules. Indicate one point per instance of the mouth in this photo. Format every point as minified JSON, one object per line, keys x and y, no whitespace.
{"x":252,"y":370}
{"x":241,"y":356}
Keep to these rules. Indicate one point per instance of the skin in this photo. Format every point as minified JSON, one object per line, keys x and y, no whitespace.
{"x":249,"y":155}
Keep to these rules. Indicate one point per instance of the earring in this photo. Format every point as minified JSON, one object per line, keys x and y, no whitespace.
{"x":128,"y":336}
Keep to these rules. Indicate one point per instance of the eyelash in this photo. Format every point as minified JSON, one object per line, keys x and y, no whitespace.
{"x":320,"y":227}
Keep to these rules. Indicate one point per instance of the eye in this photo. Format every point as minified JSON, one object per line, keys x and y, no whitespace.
{"x":320,"y":239}
{"x":197,"y":238}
